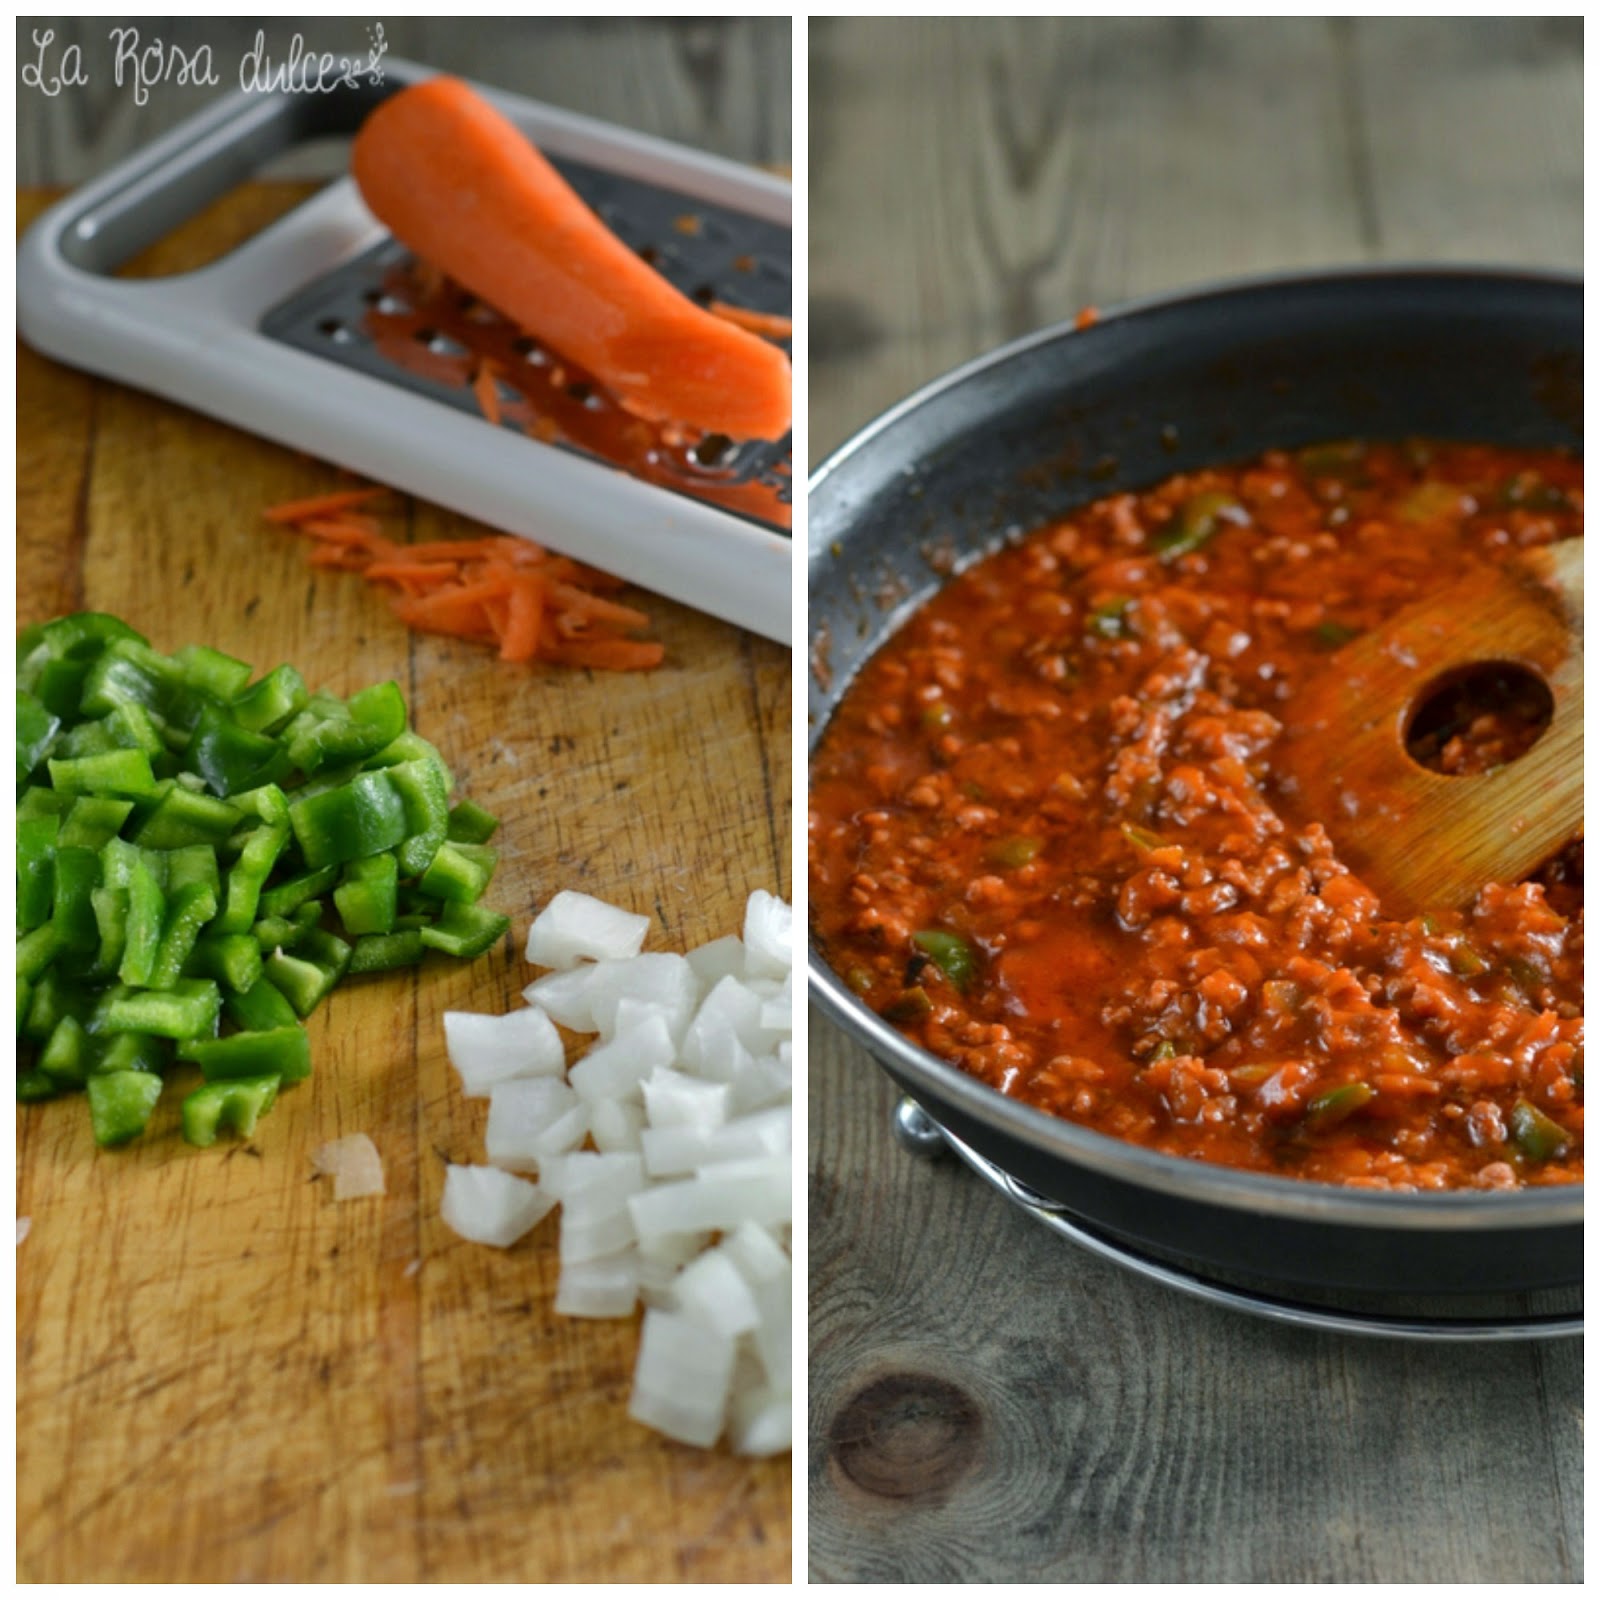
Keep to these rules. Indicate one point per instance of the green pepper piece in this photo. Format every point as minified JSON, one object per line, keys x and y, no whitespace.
{"x":1536,"y":1136}
{"x":147,"y":909}
{"x":36,"y":869}
{"x":424,"y":789}
{"x":1466,"y":962}
{"x":1332,"y":635}
{"x":1015,"y":852}
{"x":266,"y":706}
{"x":233,"y":760}
{"x":1198,"y":521}
{"x":130,"y":727}
{"x":233,"y":959}
{"x":459,"y":873}
{"x":65,"y":1057}
{"x":1339,"y":458}
{"x":910,"y":1005}
{"x":34,"y":1085}
{"x":117,"y":772}
{"x":190,"y":909}
{"x":36,"y":950}
{"x":359,"y":819}
{"x":110,"y":904}
{"x":383,"y":952}
{"x":37,"y":728}
{"x":261,"y":1008}
{"x":284,"y":933}
{"x":132,"y":1052}
{"x":411,"y":746}
{"x":310,"y":975}
{"x":183,"y":818}
{"x":267,"y":804}
{"x":94,"y":821}
{"x":52,"y":998}
{"x":77,"y":876}
{"x":120,"y":1104}
{"x":1144,"y":840}
{"x":950,"y":953}
{"x":465,"y":931}
{"x":1333,"y":1106}
{"x":1165,"y":1051}
{"x":235,"y":1104}
{"x":284,"y":1052}
{"x":37,"y":801}
{"x":470,"y":824}
{"x":186,"y":1011}
{"x":129,"y":671}
{"x":24,"y":1001}
{"x":1110,"y":620}
{"x":248,"y":875}
{"x":218,"y":674}
{"x":284,"y":899}
{"x":330,"y":731}
{"x":366,"y":900}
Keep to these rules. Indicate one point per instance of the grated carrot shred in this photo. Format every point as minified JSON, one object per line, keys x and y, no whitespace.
{"x":766,"y":323}
{"x":512,"y":594}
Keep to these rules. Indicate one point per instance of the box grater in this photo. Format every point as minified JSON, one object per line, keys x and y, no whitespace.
{"x":278,"y":337}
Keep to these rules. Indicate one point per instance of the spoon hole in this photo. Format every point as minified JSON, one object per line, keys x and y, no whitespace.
{"x":1479,"y":718}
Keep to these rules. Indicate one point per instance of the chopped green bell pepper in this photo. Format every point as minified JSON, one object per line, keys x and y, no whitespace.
{"x":120,"y":1104}
{"x":235,"y":1104}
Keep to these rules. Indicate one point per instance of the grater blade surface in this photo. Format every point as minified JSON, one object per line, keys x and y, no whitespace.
{"x":710,"y":252}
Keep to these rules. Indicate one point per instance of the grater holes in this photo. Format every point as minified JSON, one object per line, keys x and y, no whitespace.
{"x":333,"y":328}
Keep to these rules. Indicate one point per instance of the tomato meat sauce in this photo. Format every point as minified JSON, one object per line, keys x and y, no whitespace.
{"x":1048,"y":837}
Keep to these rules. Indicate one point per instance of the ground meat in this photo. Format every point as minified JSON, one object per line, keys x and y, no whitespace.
{"x":1065,"y":769}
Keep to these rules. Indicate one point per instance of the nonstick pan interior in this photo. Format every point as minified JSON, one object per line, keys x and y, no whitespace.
{"x":1067,"y":416}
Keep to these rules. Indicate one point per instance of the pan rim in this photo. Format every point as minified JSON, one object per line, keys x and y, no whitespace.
{"x":1173,"y":1176}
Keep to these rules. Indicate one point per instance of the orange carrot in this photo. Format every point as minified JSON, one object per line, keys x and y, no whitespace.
{"x":317,"y":505}
{"x":488,"y":392}
{"x":460,"y":185}
{"x":767,"y":324}
{"x":504,"y":592}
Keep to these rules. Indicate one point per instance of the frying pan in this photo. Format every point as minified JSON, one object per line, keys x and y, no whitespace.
{"x":1065,"y":416}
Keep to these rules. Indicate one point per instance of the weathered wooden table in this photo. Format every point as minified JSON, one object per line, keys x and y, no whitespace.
{"x":222,"y":1375}
{"x":988,"y":1403}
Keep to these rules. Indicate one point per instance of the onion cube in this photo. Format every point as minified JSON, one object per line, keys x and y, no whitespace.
{"x":675,"y":1100}
{"x":768,"y":936}
{"x":762,"y":1081}
{"x":712,"y":1291}
{"x":757,"y":1255}
{"x":564,"y":997}
{"x":761,"y":1421}
{"x":576,"y":927}
{"x":777,"y":1013}
{"x":605,"y":1287}
{"x":671,"y":1152}
{"x":488,"y":1206}
{"x":719,"y":1196}
{"x":612,"y":1071}
{"x":488,"y":1050}
{"x":662,"y":983}
{"x":722,"y":958}
{"x":615,"y":1126}
{"x":774,"y":1335}
{"x":524,"y":1113}
{"x":681,"y":1379}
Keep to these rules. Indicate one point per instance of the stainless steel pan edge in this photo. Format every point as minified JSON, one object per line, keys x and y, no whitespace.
{"x":834,"y":507}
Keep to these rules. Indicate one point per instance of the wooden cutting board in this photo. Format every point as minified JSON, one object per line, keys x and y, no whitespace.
{"x":222,"y":1376}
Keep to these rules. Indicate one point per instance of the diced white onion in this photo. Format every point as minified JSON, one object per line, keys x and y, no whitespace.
{"x":577,"y":927}
{"x":24,"y":1228}
{"x":529,"y":1121}
{"x":685,"y":1201}
{"x":612,"y":1071}
{"x":605,"y":1287}
{"x":681,"y":1379}
{"x":354,"y":1165}
{"x":488,"y":1050}
{"x":768,"y":936}
{"x":488,"y":1206}
{"x":564,"y":997}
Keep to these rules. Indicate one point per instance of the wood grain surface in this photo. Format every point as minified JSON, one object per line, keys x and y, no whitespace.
{"x":222,"y":1375}
{"x":988,"y":1404}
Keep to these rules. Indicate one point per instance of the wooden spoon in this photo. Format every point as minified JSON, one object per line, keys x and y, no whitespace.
{"x":1421,"y":839}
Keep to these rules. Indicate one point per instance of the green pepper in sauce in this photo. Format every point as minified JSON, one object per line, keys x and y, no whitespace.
{"x":950,"y":953}
{"x":1333,"y":1106}
{"x":1198,"y":521}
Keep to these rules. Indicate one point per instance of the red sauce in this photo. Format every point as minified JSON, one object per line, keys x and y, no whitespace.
{"x":1047,"y":836}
